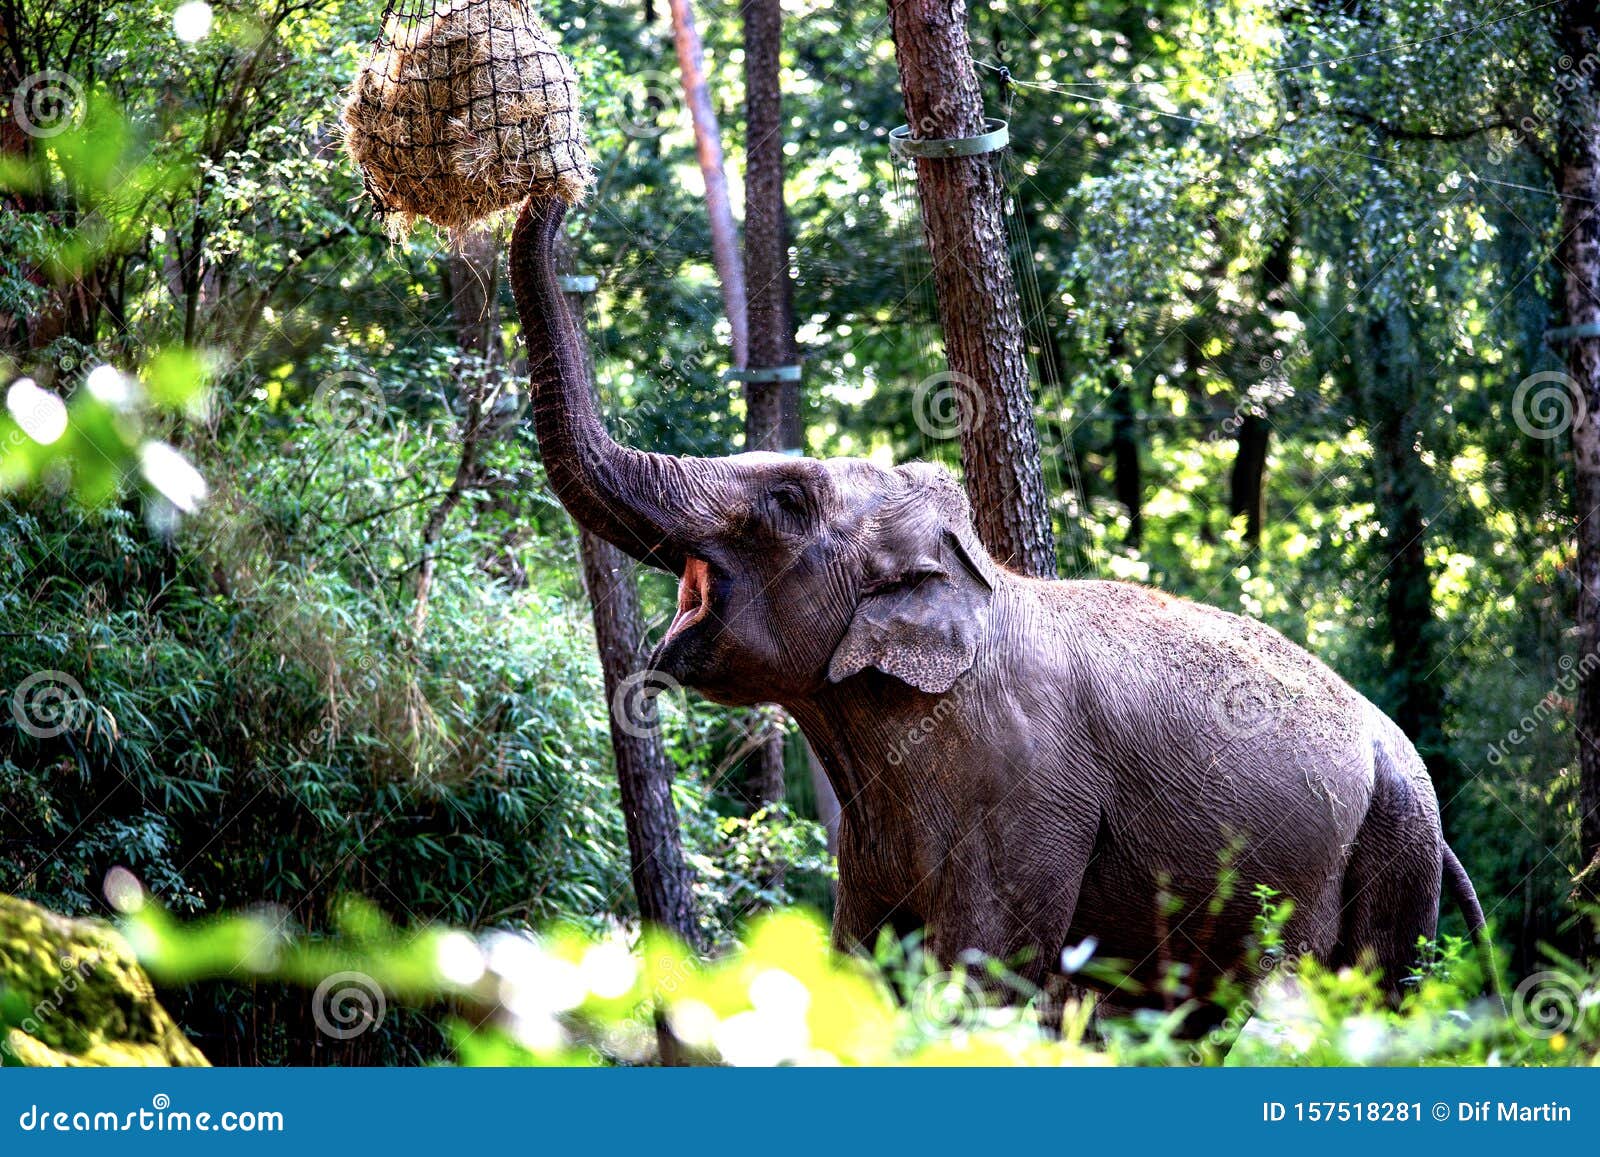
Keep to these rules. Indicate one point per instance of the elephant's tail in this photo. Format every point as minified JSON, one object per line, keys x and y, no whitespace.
{"x":1466,"y":898}
{"x":1461,"y":889}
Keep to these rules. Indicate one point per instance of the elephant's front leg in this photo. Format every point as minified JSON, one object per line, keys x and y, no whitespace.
{"x":1010,"y":899}
{"x":863,"y":908}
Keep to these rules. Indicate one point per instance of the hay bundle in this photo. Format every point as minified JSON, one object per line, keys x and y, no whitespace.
{"x":462,"y":111}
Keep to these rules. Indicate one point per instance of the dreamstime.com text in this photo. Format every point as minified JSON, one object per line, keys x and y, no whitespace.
{"x":159,"y":1117}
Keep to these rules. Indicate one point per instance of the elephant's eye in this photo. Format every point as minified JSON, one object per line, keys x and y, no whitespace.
{"x":789,"y":501}
{"x":907,"y":581}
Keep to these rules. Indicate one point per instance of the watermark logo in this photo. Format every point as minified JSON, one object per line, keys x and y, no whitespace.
{"x":48,"y":703}
{"x":946,"y":403}
{"x":649,"y":105}
{"x":347,"y":399}
{"x":1245,"y":705}
{"x":946,"y":1001}
{"x":347,"y":1004}
{"x":74,"y":972}
{"x":1567,"y":683}
{"x":1546,"y":106}
{"x":924,"y":728}
{"x":47,"y":104}
{"x":1547,"y":1004}
{"x":633,"y":705}
{"x":1547,"y":404}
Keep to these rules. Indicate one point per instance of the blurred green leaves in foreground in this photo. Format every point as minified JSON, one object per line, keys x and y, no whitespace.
{"x":84,"y":425}
{"x":101,"y":438}
{"x":782,"y":996}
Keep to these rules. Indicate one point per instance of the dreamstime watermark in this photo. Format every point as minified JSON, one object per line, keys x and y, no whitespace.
{"x":159,"y":1117}
{"x":1273,"y":387}
{"x":927,"y":126}
{"x":1276,"y":966}
{"x":1267,"y":385}
{"x":924,"y":728}
{"x":1548,"y":1004}
{"x":649,"y":105}
{"x":1573,"y":674}
{"x":47,"y":104}
{"x":347,"y":399}
{"x":946,"y":403}
{"x":347,"y":1004}
{"x":1547,"y":404}
{"x":1246,"y":705}
{"x":1569,"y":75}
{"x":948,"y":1001}
{"x":48,"y":703}
{"x":74,"y":972}
{"x":633,"y":704}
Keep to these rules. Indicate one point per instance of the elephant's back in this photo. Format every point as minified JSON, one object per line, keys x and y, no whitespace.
{"x":1196,"y":671}
{"x":1215,"y":731}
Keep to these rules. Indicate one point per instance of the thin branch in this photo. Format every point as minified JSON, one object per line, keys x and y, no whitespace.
{"x":1408,"y":133}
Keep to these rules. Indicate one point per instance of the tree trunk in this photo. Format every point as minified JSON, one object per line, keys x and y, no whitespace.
{"x":1579,"y":260}
{"x":660,"y":874}
{"x":661,"y":879}
{"x":472,"y":282}
{"x":977,"y":293}
{"x":827,"y":799}
{"x":1247,"y":483}
{"x":1127,"y":473}
{"x":708,"y":149}
{"x":772,"y":409}
{"x":1247,"y":491}
{"x":1392,"y":400}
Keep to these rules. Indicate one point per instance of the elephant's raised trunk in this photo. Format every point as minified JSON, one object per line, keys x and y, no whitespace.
{"x":629,"y":498}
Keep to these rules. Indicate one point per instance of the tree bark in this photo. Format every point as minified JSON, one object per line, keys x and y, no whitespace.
{"x":708,"y":150}
{"x":1578,"y":145}
{"x":1127,"y":471}
{"x":472,"y":281}
{"x":660,"y":873}
{"x":1247,"y":491}
{"x":978,"y":307}
{"x":772,"y":409}
{"x":1247,"y":482}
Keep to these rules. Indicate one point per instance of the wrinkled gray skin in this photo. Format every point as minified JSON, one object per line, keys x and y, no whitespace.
{"x":1022,"y":764}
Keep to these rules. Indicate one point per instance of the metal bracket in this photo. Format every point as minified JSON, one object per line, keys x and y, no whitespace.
{"x":766,"y":374}
{"x":996,"y":135}
{"x":1570,"y":333}
{"x":578,"y":282}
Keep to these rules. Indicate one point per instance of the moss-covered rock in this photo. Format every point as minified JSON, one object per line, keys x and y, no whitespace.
{"x":72,"y":993}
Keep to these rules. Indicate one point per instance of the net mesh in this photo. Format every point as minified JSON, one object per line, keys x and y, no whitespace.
{"x":463,"y":108}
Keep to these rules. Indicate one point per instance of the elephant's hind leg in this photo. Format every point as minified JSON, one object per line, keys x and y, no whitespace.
{"x":1392,"y":880}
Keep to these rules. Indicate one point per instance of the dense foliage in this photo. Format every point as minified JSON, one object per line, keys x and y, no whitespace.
{"x":1313,"y":238}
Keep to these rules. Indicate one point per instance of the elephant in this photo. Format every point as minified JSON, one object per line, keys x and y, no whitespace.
{"x":1023,"y":765}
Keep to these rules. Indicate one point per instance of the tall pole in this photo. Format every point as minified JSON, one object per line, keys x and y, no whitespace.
{"x":1578,"y":155}
{"x":979,"y":310}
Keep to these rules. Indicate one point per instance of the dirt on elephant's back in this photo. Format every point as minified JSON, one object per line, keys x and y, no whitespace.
{"x":1210,"y":671}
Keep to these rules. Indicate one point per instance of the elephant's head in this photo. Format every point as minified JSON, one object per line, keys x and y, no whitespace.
{"x":795,"y":573}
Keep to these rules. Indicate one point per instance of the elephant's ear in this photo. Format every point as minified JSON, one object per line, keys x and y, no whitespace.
{"x":923,"y":614}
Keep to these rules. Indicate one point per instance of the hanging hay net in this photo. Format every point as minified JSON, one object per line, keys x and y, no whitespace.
{"x":464,"y":108}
